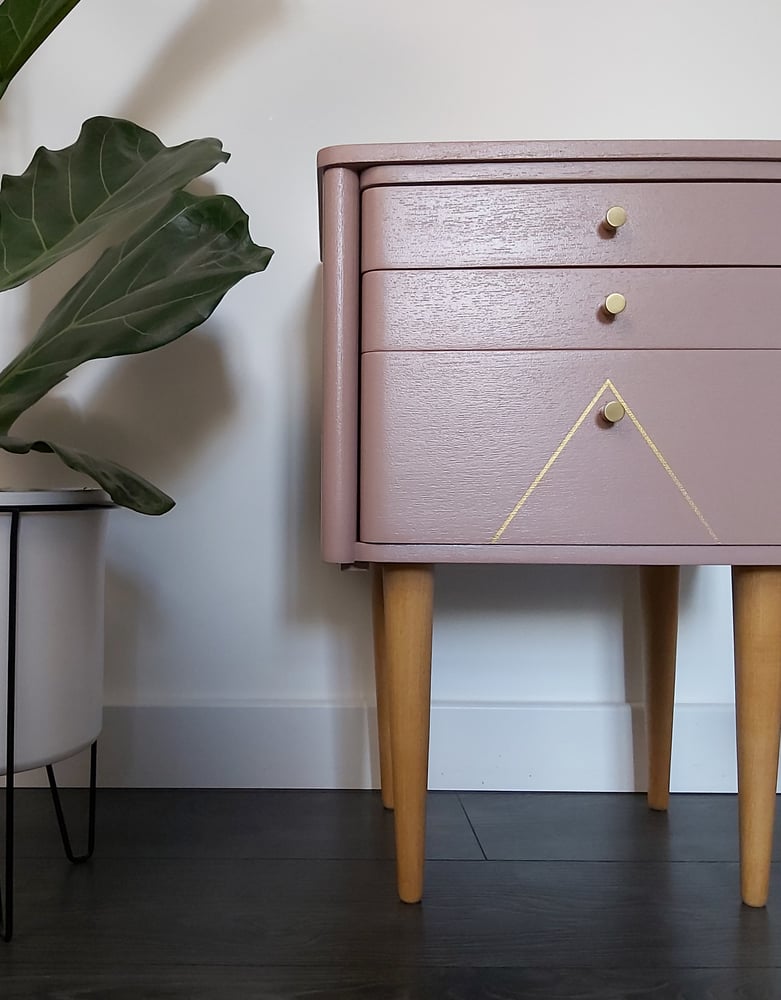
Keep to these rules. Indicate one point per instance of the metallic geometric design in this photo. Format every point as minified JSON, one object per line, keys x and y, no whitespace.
{"x":607,"y":384}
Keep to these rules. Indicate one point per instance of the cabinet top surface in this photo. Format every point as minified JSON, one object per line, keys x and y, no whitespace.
{"x":364,"y":155}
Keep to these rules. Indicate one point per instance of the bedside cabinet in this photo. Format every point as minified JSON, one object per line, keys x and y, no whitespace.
{"x":557,"y":352}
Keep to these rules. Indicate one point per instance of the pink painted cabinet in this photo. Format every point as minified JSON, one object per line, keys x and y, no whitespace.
{"x":557,"y":352}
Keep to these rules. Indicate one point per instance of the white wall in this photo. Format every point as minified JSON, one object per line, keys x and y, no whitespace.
{"x":233,"y":655}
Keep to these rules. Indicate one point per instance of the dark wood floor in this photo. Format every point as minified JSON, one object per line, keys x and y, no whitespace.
{"x":273,"y":895}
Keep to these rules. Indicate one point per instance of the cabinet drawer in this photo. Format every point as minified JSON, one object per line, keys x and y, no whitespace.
{"x":563,"y":308}
{"x":474,"y":447}
{"x":485,"y":225}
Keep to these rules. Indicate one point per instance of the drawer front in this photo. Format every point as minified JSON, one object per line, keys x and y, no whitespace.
{"x":564,"y":308}
{"x":484,"y":225}
{"x":509,"y":447}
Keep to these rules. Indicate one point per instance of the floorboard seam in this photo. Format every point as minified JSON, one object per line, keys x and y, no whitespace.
{"x":471,"y":826}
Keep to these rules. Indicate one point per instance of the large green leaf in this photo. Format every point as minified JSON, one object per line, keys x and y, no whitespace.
{"x":125,"y":488}
{"x":164,"y":280}
{"x":24,"y":24}
{"x":66,"y":196}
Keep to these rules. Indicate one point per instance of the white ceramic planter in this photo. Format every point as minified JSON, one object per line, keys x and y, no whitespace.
{"x":59,"y":622}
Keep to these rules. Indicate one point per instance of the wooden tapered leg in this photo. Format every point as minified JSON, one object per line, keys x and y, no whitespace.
{"x":756,"y":598}
{"x":381,"y":680}
{"x":409,"y":594}
{"x":660,"y":606}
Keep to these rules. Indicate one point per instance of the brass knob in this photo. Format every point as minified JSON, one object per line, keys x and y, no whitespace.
{"x":614,"y":304}
{"x":612,"y":412}
{"x":615,"y":217}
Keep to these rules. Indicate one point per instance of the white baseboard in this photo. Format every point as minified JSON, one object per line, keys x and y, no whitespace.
{"x":540,"y":747}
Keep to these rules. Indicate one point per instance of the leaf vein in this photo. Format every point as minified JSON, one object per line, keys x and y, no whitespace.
{"x":35,"y":225}
{"x":100,"y":164}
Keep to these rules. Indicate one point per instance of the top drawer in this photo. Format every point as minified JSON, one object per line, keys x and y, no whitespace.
{"x":495,"y":225}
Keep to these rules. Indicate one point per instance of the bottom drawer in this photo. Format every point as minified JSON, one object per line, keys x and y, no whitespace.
{"x":510,"y":448}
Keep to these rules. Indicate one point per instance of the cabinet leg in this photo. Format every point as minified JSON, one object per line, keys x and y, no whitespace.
{"x":756,"y":598}
{"x":409,"y":594}
{"x":660,"y":605}
{"x":381,"y":680}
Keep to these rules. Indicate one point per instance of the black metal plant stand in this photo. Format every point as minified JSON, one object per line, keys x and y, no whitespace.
{"x":7,"y":898}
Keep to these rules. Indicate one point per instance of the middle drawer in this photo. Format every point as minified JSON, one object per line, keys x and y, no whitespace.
{"x":555,"y":308}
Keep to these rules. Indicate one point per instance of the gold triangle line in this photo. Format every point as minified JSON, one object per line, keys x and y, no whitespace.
{"x":663,"y":461}
{"x":607,"y":384}
{"x":546,"y":468}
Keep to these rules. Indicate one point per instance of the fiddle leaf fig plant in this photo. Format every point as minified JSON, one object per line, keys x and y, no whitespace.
{"x":158,"y":283}
{"x":23,"y":26}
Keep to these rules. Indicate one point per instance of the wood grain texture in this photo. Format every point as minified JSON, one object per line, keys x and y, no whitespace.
{"x":399,"y":982}
{"x":570,"y":554}
{"x":568,"y":170}
{"x":340,"y":365}
{"x":602,"y":826}
{"x":497,"y":161}
{"x":452,"y":441}
{"x":359,"y":156}
{"x":315,"y":913}
{"x":648,"y":921}
{"x":561,"y":309}
{"x":510,"y":225}
{"x":757,"y":626}
{"x":239,"y":824}
{"x":660,"y":586}
{"x":381,"y":687}
{"x":409,"y":597}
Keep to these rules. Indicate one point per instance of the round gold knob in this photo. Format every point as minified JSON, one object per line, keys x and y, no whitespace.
{"x":614,"y":304}
{"x":612,"y":412}
{"x":615,"y":217}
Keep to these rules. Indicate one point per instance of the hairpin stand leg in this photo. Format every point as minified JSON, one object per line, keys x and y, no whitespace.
{"x":7,"y":911}
{"x":7,"y":892}
{"x":77,"y":859}
{"x":7,"y":899}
